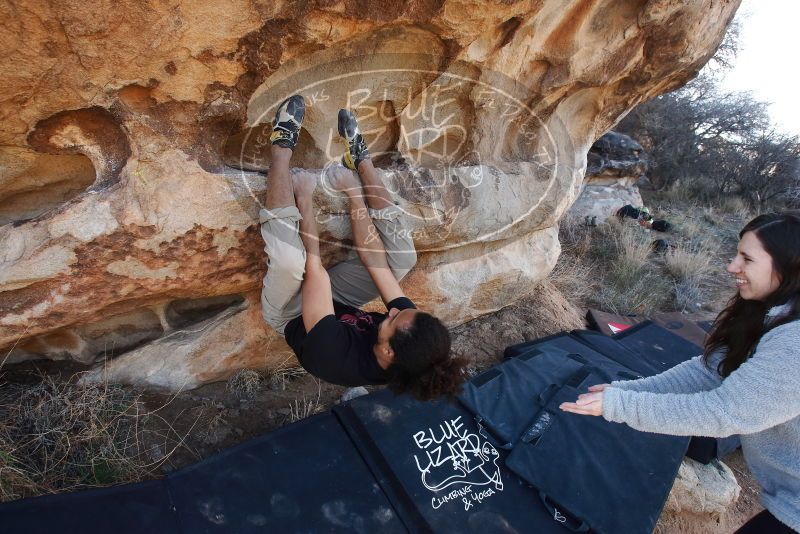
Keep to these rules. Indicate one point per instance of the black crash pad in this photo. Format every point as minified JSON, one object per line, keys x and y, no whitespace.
{"x":607,"y":359}
{"x":705,"y":325}
{"x":665,"y":349}
{"x":705,"y":449}
{"x":576,"y":463}
{"x":658,"y":345}
{"x":647,"y":349}
{"x":608,"y":346}
{"x":381,"y":463}
{"x":608,"y":477}
{"x":125,"y":509}
{"x":439,"y":470}
{"x":505,"y":394}
{"x":305,"y":477}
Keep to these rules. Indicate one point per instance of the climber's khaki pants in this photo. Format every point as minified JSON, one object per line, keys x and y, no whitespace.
{"x":350,"y":281}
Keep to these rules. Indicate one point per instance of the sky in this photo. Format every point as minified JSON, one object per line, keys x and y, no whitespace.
{"x":769,"y":58}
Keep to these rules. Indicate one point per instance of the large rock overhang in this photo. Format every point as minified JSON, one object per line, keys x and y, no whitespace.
{"x":149,"y":110}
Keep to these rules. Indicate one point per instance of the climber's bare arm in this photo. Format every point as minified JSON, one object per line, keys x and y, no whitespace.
{"x":366,"y":239}
{"x":316,"y":289}
{"x":316,"y":292}
{"x":371,"y":251}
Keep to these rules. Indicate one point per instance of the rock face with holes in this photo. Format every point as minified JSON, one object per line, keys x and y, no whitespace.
{"x":132,"y":137}
{"x":615,"y":164}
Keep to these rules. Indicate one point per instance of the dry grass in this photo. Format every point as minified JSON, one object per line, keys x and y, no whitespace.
{"x":285,"y":373}
{"x":574,"y":237}
{"x":303,"y":407}
{"x":632,"y":246}
{"x":687,"y":260}
{"x":630,"y":280}
{"x":573,"y":278}
{"x":613,"y":267}
{"x":622,"y":274}
{"x":691,"y":227}
{"x":300,"y":409}
{"x":686,"y":196}
{"x":677,"y":194}
{"x":735,"y":206}
{"x":690,"y":264}
{"x":710,"y":215}
{"x":245,"y":384}
{"x":59,"y":436}
{"x":689,"y":294}
{"x":639,"y":292}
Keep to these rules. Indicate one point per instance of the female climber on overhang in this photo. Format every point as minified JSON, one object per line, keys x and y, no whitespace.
{"x":747,"y":381}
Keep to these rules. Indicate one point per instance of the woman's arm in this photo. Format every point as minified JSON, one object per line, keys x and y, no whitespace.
{"x":690,"y":376}
{"x":366,"y":239}
{"x":761,"y":393}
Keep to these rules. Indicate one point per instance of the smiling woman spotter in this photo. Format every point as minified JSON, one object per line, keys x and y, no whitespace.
{"x":745,"y":383}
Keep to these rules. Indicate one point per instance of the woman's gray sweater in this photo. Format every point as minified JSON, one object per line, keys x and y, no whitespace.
{"x":760,"y":401}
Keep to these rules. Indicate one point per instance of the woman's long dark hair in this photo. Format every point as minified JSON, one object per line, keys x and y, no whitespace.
{"x":740,"y":326}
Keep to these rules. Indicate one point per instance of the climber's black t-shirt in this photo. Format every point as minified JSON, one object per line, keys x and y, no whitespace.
{"x":339,"y":347}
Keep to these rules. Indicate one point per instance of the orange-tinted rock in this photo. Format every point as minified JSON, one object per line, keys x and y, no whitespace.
{"x":480,"y":114}
{"x":93,"y":132}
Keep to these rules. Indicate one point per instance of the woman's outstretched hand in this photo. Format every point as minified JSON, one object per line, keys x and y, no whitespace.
{"x":588,"y":403}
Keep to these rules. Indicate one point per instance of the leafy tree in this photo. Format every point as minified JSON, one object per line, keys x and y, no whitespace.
{"x":715,"y":143}
{"x":770,"y":172}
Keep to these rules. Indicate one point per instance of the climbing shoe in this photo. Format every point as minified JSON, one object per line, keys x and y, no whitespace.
{"x":356,"y":147}
{"x":287,"y":123}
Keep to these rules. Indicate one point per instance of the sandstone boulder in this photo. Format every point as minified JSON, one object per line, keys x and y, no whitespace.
{"x":703,"y":489}
{"x":702,"y":499}
{"x":615,"y":158}
{"x":132,"y":142}
{"x":615,"y":165}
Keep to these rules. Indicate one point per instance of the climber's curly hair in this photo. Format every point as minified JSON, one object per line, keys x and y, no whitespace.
{"x":422,"y":364}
